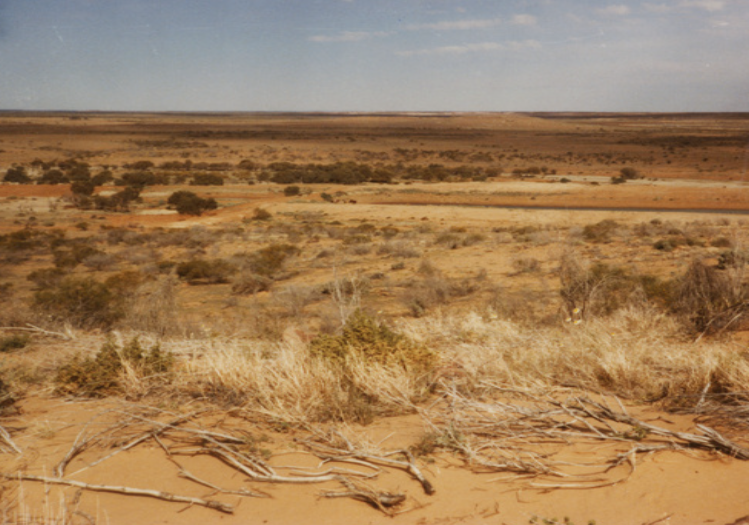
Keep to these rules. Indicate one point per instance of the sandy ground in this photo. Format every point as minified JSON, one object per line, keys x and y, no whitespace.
{"x":667,"y":487}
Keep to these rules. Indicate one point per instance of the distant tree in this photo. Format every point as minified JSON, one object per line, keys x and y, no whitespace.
{"x":102,"y":178}
{"x":629,"y":173}
{"x":140,"y":179}
{"x":207,"y":179}
{"x":292,"y":191}
{"x":53,"y":176}
{"x":17,"y":174}
{"x":187,"y":203}
{"x":120,"y":201}
{"x":79,"y":172}
{"x":141,"y":165}
{"x":247,"y":165}
{"x":81,"y":187}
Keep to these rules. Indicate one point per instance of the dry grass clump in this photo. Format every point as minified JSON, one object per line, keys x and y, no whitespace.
{"x":404,"y":249}
{"x":434,"y":288}
{"x":287,"y":382}
{"x":635,"y":353}
{"x":710,"y":299}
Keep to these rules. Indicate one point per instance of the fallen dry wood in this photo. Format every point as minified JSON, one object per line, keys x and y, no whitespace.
{"x":5,"y":437}
{"x":384,"y":501}
{"x":711,"y":439}
{"x":350,"y":453}
{"x":232,"y":461}
{"x":523,"y":436}
{"x":166,"y":496}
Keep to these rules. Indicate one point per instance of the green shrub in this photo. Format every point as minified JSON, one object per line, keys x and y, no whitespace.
{"x":102,"y":375}
{"x":85,"y":303}
{"x":366,"y":338}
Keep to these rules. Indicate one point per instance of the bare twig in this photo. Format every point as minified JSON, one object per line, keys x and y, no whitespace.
{"x":328,"y":453}
{"x":166,"y":496}
{"x":5,"y":437}
{"x":383,"y":501}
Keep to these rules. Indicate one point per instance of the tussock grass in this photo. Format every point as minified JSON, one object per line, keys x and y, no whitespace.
{"x":284,"y":382}
{"x":636,"y":353}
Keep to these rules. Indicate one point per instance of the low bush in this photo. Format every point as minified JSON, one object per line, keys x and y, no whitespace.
{"x":270,"y":260}
{"x":113,"y":370}
{"x":261,"y":214}
{"x":208,"y":271}
{"x":248,"y":283}
{"x":589,"y":290}
{"x":188,"y":203}
{"x":364,"y":337}
{"x":207,"y":179}
{"x":711,"y":300}
{"x":82,"y":302}
{"x":600,"y":232}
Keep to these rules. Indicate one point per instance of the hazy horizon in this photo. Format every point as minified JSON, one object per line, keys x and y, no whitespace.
{"x":356,"y":56}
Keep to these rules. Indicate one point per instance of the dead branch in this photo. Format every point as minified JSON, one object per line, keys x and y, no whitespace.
{"x":711,"y":439}
{"x":243,"y":492}
{"x":5,"y":437}
{"x":152,"y":433}
{"x":327,"y":453}
{"x":232,"y":461}
{"x":383,"y":501}
{"x":166,"y":496}
{"x":82,"y":442}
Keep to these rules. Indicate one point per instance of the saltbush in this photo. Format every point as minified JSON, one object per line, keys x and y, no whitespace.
{"x":102,"y":375}
{"x":82,"y":302}
{"x":366,"y":338}
{"x":209,"y":271}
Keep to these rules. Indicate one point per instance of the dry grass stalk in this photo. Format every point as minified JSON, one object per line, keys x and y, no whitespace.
{"x":67,"y":335}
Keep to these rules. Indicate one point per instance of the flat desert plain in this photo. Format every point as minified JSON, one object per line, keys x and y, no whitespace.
{"x":494,"y":318}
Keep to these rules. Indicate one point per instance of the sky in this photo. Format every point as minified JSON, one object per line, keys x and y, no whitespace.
{"x":374,"y":55}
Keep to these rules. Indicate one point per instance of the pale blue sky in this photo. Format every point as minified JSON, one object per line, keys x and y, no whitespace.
{"x":374,"y":55}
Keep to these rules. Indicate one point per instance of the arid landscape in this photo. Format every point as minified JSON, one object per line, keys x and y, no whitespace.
{"x":409,"y":318}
